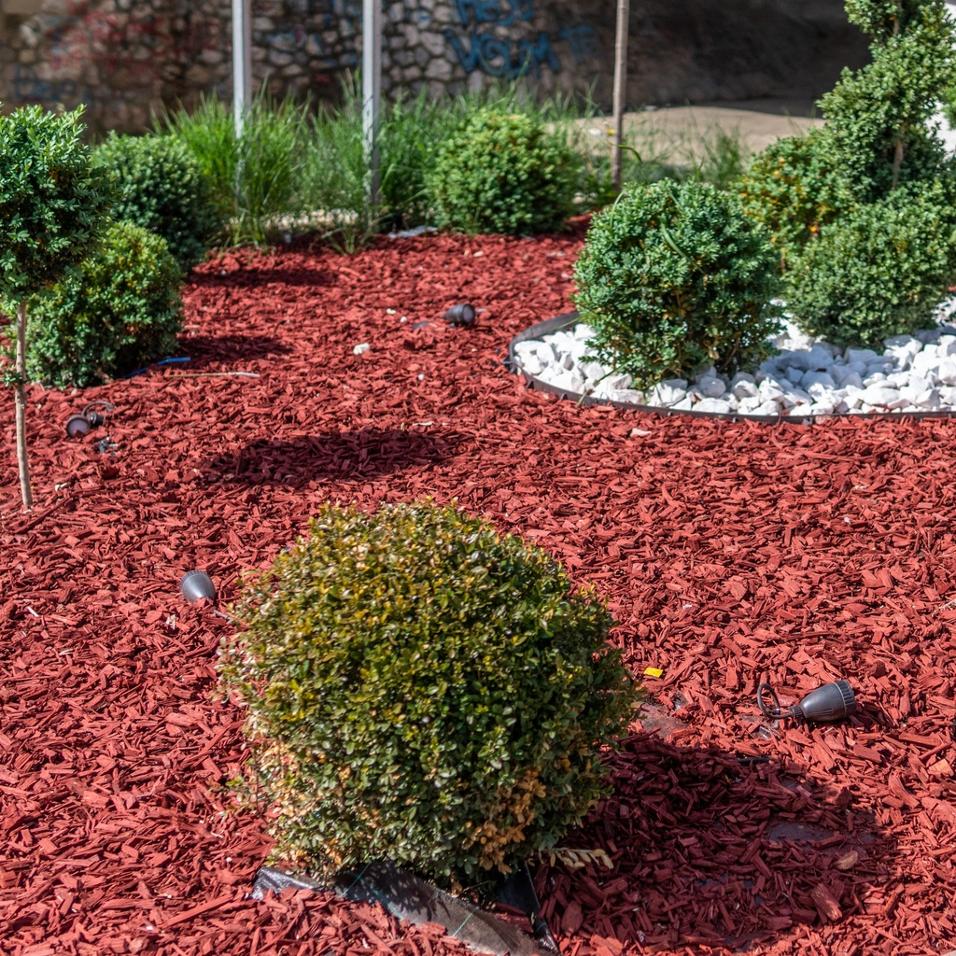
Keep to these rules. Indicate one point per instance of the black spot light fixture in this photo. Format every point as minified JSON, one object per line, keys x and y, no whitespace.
{"x":825,"y":705}
{"x":94,"y":415}
{"x":462,"y":315}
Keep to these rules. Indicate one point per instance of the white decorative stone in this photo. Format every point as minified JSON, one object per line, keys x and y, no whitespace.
{"x":744,"y":390}
{"x":805,"y":377}
{"x":712,"y":387}
{"x":715,"y":405}
{"x":881,"y":395}
{"x":361,"y":349}
{"x":947,"y":372}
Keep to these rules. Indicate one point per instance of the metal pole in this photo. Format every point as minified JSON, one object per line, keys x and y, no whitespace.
{"x":241,"y":61}
{"x":620,"y":87}
{"x":371,"y":94}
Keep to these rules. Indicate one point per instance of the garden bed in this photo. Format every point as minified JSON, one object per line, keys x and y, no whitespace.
{"x":728,"y":552}
{"x":803,"y":380}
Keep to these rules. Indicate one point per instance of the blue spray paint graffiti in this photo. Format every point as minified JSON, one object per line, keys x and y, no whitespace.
{"x":483,"y":47}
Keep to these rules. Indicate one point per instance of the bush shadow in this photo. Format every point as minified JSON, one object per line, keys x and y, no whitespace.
{"x":710,"y":848}
{"x":203,"y":349}
{"x":333,"y":456}
{"x":249,"y":276}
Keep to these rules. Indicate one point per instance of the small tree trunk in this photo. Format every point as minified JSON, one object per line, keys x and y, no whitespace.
{"x":620,"y":88}
{"x":21,"y":403}
{"x":897,"y":162}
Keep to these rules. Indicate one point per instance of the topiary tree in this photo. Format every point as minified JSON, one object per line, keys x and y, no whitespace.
{"x":674,"y":276}
{"x":118,"y":310}
{"x":503,"y":172}
{"x":158,"y":185}
{"x":878,"y":117}
{"x":422,"y":688}
{"x":51,"y":205}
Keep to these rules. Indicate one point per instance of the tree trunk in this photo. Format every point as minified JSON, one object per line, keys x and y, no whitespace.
{"x":620,"y":88}
{"x":897,"y":162}
{"x":21,"y":403}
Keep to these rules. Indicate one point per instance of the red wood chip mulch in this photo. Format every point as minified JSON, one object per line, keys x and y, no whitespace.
{"x":729,"y":552}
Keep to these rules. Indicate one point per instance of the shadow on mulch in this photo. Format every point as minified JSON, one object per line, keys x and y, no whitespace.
{"x":709,"y":849}
{"x":250,"y":276}
{"x":230,"y":348}
{"x":334,"y":456}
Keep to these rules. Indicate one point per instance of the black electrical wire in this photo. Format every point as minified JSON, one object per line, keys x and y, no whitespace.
{"x":773,"y":710}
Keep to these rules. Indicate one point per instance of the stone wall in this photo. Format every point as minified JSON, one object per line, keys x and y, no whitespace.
{"x":126,"y":59}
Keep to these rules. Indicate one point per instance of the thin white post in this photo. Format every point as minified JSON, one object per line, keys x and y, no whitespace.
{"x":620,"y":88}
{"x":241,"y":60}
{"x":371,"y":94}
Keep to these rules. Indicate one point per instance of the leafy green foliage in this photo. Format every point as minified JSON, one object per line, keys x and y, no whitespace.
{"x":877,"y":116}
{"x":673,"y":276}
{"x":51,"y":199}
{"x":254,"y":180}
{"x":119,"y":309}
{"x":503,"y":172}
{"x":878,"y":271}
{"x":158,"y":185}
{"x":421,"y":688}
{"x":792,"y":188}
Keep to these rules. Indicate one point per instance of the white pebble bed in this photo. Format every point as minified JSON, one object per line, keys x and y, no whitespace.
{"x":805,"y":376}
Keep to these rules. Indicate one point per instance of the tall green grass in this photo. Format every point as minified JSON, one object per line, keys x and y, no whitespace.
{"x":298,"y":169}
{"x":255,"y":178}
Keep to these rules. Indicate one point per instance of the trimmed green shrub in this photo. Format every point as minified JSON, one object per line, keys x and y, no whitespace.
{"x":674,"y":276}
{"x":878,"y":271}
{"x":503,"y":172}
{"x":51,"y":205}
{"x":422,"y":688}
{"x":159,"y":186}
{"x":792,"y":189}
{"x":877,"y":116}
{"x":118,"y":310}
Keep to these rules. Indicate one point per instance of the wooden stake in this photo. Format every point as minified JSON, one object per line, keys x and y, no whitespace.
{"x":620,"y":87}
{"x":20,"y":397}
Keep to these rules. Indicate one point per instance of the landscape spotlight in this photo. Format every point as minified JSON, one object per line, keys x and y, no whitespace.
{"x":197,"y":586}
{"x":825,"y":705}
{"x":462,"y":315}
{"x":79,"y":425}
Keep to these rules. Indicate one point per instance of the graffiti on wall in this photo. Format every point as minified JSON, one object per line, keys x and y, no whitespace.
{"x":480,"y":44}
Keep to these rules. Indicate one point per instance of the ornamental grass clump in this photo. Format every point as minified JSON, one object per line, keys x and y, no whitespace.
{"x":504,"y":172}
{"x":422,"y":688}
{"x":673,"y":277}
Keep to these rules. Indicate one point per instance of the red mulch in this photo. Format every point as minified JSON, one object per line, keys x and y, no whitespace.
{"x":729,"y":552}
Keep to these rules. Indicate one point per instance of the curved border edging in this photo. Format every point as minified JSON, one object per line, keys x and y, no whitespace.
{"x":567,"y":319}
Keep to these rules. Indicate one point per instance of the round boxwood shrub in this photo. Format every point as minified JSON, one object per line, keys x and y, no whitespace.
{"x":793,"y":190}
{"x":878,"y":271}
{"x":503,"y":172}
{"x":159,"y":186}
{"x":673,"y":277}
{"x":118,"y":310}
{"x":422,"y":688}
